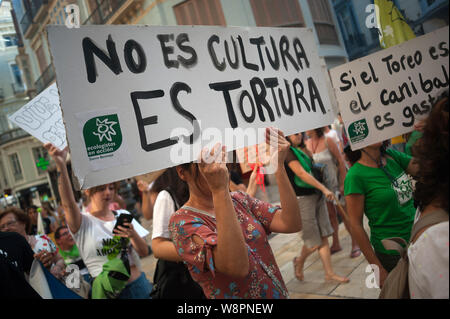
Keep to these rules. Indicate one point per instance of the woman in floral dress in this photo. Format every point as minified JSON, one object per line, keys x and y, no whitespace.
{"x":223,"y":236}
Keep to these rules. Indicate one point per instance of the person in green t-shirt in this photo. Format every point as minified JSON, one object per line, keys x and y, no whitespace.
{"x":378,"y":185}
{"x":69,"y":250}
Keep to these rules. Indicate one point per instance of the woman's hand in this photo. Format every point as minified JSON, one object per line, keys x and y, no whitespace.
{"x":59,"y":156}
{"x":212,"y":165}
{"x":278,"y":144}
{"x":45,"y":258}
{"x":126,"y":231}
{"x":328,"y":195}
{"x":142,"y":186}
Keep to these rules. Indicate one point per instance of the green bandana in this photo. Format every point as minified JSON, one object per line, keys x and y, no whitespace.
{"x":111,"y":280}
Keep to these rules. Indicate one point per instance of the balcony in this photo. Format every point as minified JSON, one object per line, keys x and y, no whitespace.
{"x":27,"y":25}
{"x":38,"y":9}
{"x":12,"y":135}
{"x":46,"y":78}
{"x":112,"y":11}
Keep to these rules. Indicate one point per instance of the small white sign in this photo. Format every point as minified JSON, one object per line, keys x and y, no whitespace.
{"x":382,"y":95}
{"x":42,"y":118}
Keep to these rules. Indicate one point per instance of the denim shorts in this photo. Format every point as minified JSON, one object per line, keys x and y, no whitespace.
{"x":138,"y":289}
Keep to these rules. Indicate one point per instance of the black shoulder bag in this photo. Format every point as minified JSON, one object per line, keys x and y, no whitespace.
{"x":172,"y":280}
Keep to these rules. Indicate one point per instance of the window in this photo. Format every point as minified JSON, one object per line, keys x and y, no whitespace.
{"x":17,"y":75}
{"x":199,"y":12}
{"x":40,"y":155}
{"x":279,"y":13}
{"x":323,"y":21}
{"x":10,"y":40}
{"x":15,"y":165}
{"x":349,"y":29}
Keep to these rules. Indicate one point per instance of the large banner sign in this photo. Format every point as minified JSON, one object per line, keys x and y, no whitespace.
{"x":382,"y":95}
{"x":42,"y":118}
{"x":137,"y":99}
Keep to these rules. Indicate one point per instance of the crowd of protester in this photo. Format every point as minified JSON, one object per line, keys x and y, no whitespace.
{"x":210,"y":233}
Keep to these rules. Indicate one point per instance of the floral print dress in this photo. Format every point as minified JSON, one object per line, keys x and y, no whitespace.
{"x":263,"y":280}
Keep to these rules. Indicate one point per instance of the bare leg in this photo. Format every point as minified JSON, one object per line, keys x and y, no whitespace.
{"x":355,"y":248}
{"x":336,"y":246}
{"x":299,"y":262}
{"x":325,"y":256}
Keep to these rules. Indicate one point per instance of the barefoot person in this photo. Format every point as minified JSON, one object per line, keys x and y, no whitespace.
{"x":313,"y":210}
{"x":223,"y":236}
{"x":325,"y":151}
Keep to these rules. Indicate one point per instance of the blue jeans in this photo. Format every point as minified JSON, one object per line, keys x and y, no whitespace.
{"x":138,"y":289}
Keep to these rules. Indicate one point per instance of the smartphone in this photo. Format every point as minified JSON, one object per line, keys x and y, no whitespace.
{"x":122,"y":219}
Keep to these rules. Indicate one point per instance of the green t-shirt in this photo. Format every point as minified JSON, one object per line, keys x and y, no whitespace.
{"x":415,"y":136}
{"x":389,"y":209}
{"x":70,"y":256}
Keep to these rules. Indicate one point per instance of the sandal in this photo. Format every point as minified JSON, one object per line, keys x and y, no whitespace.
{"x":355,"y":253}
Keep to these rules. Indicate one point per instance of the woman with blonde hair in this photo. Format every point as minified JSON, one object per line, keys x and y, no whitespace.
{"x":95,"y":234}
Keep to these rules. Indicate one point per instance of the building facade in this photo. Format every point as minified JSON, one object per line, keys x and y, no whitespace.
{"x":360,"y":39}
{"x":21,"y":181}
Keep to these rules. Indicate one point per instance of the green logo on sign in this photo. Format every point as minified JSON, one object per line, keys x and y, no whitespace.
{"x":102,"y":135}
{"x":358,"y":131}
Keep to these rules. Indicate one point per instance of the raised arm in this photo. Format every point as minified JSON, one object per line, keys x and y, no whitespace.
{"x":148,"y":199}
{"x":287,"y":219}
{"x":230,"y":254}
{"x":71,"y":210}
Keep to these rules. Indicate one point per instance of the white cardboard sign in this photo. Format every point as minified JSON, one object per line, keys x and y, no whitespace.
{"x":137,"y":99}
{"x":42,"y":118}
{"x":382,"y":95}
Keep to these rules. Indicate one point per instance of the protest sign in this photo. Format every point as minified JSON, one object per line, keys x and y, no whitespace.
{"x":144,"y":98}
{"x":382,"y":95}
{"x":257,"y":154}
{"x":42,"y":118}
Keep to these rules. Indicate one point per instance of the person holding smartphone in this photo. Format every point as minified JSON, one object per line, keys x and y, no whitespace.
{"x":95,"y":234}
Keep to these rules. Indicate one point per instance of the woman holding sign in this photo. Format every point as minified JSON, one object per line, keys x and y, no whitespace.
{"x":98,"y":240}
{"x":223,"y":236}
{"x":378,"y":186}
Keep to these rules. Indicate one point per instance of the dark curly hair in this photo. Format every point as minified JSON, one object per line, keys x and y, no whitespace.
{"x":431,"y":154}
